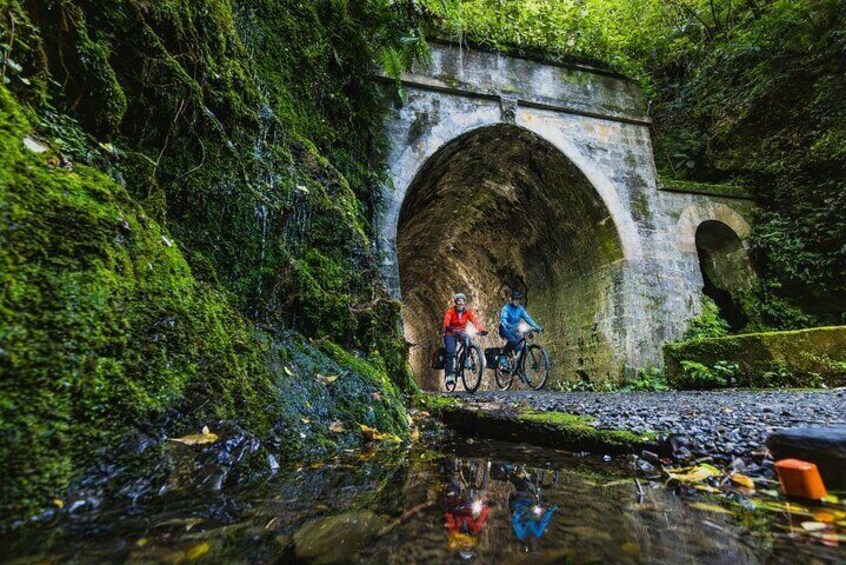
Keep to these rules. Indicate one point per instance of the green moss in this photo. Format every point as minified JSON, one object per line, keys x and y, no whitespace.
{"x":435,"y":402}
{"x":103,"y":326}
{"x":578,"y":430}
{"x":770,"y":359}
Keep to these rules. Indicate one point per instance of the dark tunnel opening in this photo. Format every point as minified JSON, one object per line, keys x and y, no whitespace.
{"x":501,"y":208}
{"x":726,"y":270}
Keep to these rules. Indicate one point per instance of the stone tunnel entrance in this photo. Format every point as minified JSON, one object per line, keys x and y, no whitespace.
{"x":501,"y":208}
{"x":726,"y":270}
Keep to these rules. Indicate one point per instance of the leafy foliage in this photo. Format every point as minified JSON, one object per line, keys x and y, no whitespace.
{"x":651,"y":379}
{"x":708,"y":323}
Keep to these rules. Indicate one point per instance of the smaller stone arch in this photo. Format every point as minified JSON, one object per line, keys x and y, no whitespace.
{"x":693,"y":216}
{"x":719,"y":237}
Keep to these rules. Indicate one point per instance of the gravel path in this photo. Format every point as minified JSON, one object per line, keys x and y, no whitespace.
{"x":725,"y":426}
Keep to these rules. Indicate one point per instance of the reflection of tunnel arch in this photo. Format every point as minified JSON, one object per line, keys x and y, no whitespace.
{"x":500,"y":207}
{"x":725,"y":267}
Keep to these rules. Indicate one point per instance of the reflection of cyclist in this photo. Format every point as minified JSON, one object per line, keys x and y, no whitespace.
{"x":529,"y":516}
{"x":509,"y":322}
{"x":455,"y":328}
{"x":466,"y":510}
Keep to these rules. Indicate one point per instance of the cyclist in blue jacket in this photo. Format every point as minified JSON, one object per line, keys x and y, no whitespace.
{"x":509,"y":322}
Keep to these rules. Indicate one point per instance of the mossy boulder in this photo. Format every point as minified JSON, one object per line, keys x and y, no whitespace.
{"x":104,"y":330}
{"x":801,"y":358}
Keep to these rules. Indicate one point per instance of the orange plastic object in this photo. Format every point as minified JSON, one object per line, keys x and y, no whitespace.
{"x":800,"y":478}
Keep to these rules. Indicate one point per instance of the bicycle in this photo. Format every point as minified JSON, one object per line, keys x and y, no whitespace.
{"x":469,"y":363}
{"x":529,"y":356}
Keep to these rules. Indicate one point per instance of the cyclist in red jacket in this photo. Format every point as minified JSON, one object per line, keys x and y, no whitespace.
{"x":455,"y":328}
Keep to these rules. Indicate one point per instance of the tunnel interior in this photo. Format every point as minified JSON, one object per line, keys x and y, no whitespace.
{"x":497,"y":209}
{"x":726,"y":270}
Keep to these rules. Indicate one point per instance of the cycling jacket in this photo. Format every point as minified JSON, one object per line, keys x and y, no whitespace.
{"x":455,"y":321}
{"x":511,"y":316}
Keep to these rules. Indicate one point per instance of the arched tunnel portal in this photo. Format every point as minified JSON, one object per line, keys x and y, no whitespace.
{"x":501,"y":208}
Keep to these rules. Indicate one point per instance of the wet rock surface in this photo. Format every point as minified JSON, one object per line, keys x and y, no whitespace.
{"x":729,"y":427}
{"x":825,"y":446}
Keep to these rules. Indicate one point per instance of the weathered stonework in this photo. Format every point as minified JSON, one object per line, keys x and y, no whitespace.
{"x":509,"y":172}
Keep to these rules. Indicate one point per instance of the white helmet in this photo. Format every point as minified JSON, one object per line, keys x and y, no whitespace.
{"x":459,"y":295}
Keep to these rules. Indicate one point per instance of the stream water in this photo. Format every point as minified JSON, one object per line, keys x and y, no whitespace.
{"x":468,"y":500}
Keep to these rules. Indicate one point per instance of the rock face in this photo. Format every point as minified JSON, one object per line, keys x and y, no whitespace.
{"x":824,"y":446}
{"x":335,"y":538}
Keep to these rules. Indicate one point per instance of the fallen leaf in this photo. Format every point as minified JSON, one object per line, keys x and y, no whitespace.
{"x":336,"y":427}
{"x":328,"y":379}
{"x":302,"y":188}
{"x":197,"y":551}
{"x":813,"y":526}
{"x":824,"y":516}
{"x":33,"y":145}
{"x":142,"y":542}
{"x":415,"y":434}
{"x":288,"y":371}
{"x":166,"y":241}
{"x":58,"y":503}
{"x":197,"y":439}
{"x":831,"y":499}
{"x":305,"y":420}
{"x":743,"y":481}
{"x":372,"y":434}
{"x":696,"y":474}
{"x":710,"y":508}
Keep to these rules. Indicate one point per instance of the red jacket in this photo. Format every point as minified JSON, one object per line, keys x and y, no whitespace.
{"x":457,"y":321}
{"x":462,"y":521}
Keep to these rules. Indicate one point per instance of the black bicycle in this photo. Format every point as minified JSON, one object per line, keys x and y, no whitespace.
{"x":469,"y":364}
{"x":528,"y":361}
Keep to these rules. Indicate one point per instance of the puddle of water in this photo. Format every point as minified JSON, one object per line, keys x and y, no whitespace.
{"x":484,"y":502}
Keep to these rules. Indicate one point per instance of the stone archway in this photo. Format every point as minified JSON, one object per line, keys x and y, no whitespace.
{"x":726,"y":270}
{"x":499,"y":208}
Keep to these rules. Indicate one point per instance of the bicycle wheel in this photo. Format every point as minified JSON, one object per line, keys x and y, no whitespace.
{"x":472,"y":368}
{"x":504,"y":375}
{"x":535,"y":366}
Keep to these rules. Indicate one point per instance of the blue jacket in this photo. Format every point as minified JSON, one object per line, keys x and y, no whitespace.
{"x":511,"y":316}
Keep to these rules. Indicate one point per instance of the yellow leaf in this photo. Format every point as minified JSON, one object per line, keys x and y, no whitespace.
{"x":305,"y":420}
{"x":197,"y":439}
{"x":742,"y":480}
{"x":197,"y":551}
{"x":710,"y":508}
{"x":813,"y":526}
{"x":336,"y":427}
{"x":327,"y":379}
{"x":288,"y":371}
{"x":58,"y":502}
{"x":142,"y":542}
{"x":831,"y":499}
{"x":696,"y":474}
{"x":372,"y":434}
{"x":415,"y":434}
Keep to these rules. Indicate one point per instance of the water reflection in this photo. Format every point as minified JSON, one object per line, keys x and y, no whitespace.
{"x":491,"y":503}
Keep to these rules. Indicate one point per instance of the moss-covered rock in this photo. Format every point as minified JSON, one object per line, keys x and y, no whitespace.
{"x":548,"y":429}
{"x":800,"y":358}
{"x":103,"y":329}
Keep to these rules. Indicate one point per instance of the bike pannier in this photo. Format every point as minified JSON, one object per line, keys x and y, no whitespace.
{"x":439,"y":359}
{"x":492,"y":356}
